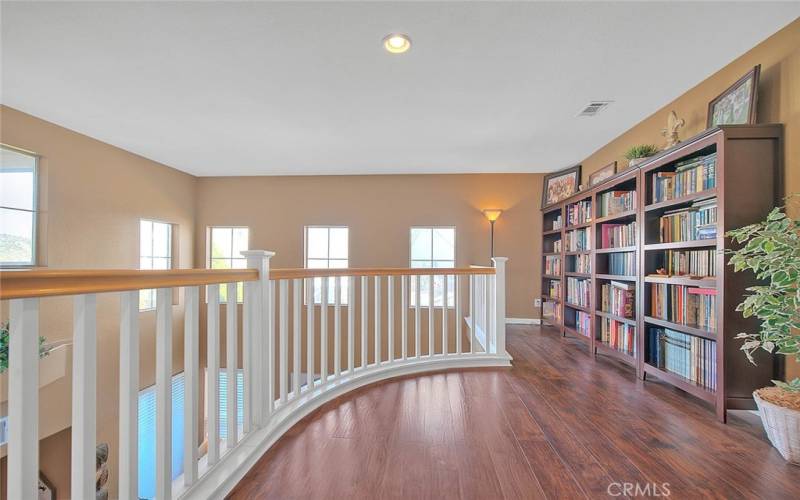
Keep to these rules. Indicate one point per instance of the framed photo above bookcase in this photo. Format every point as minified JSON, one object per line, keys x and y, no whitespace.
{"x":737,"y":105}
{"x":560,"y":185}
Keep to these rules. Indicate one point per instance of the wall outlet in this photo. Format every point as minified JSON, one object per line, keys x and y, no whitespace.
{"x":537,"y":302}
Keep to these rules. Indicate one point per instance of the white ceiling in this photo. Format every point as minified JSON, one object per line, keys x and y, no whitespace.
{"x":228,"y":88}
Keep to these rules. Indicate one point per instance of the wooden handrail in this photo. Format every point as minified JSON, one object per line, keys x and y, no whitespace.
{"x":54,"y":282}
{"x":49,"y":283}
{"x":283,"y":274}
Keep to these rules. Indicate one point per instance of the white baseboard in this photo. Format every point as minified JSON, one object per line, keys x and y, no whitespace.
{"x":523,"y":321}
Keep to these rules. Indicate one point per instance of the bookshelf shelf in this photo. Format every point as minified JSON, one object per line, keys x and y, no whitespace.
{"x":629,"y":214}
{"x":551,"y":254}
{"x":682,"y":244}
{"x":615,"y":250}
{"x":691,"y":330}
{"x":616,"y":277}
{"x":702,"y":195}
{"x":551,"y":276}
{"x":719,"y":165}
{"x":681,"y":383}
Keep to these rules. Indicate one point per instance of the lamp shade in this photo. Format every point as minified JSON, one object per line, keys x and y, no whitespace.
{"x":492,"y":214}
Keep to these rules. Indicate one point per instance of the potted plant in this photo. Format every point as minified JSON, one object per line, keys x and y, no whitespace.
{"x":4,"y":338}
{"x":771,"y":250}
{"x":638,"y":154}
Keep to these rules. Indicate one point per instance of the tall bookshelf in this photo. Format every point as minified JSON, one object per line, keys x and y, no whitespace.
{"x":552,"y":281}
{"x":674,"y":298}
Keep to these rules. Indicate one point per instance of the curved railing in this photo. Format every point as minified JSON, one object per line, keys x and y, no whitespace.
{"x":307,"y":335}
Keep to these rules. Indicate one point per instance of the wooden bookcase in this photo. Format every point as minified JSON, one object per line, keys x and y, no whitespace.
{"x":747,"y":186}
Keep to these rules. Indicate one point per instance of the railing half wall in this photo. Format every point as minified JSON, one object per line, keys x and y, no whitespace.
{"x":307,"y":336}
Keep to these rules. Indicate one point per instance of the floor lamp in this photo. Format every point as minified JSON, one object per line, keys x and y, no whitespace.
{"x":492,"y":214}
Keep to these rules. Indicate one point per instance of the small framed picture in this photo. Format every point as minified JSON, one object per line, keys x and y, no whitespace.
{"x":604,"y":173}
{"x":737,"y":105}
{"x":560,"y":185}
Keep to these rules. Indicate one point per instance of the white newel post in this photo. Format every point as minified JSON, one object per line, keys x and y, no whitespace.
{"x":256,"y":335}
{"x":500,"y":305}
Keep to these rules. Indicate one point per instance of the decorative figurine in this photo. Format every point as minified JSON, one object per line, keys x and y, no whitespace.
{"x":671,"y":132}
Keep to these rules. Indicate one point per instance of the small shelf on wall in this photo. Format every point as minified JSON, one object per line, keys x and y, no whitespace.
{"x":728,"y":152}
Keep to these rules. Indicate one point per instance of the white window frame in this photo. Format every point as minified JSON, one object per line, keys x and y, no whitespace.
{"x":34,"y":211}
{"x":450,"y":295}
{"x":344,"y":292}
{"x":171,"y":258}
{"x":210,"y":259}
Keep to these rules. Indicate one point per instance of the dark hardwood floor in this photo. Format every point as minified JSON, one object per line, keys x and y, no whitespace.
{"x":556,"y":425}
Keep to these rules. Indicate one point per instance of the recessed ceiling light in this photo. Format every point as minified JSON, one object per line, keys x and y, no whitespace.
{"x":396,"y":43}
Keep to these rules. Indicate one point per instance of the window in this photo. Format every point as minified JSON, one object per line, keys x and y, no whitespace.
{"x":17,"y":208}
{"x":327,"y":247}
{"x":155,"y":252}
{"x":227,"y":245}
{"x":433,"y":247}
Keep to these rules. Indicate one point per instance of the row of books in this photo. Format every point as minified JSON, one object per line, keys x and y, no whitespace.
{"x":693,"y":263}
{"x":556,"y":246}
{"x":622,"y":263}
{"x":619,"y":336}
{"x":557,"y":222}
{"x":579,"y":213}
{"x":579,"y":263}
{"x":690,"y":357}
{"x":552,"y":311}
{"x":617,"y":235}
{"x":618,"y":298}
{"x":583,"y":323}
{"x":552,"y":264}
{"x":614,"y":202}
{"x":690,"y":176}
{"x":685,"y":305}
{"x":578,"y":291}
{"x":698,"y":222}
{"x":577,"y":240}
{"x":554,"y":289}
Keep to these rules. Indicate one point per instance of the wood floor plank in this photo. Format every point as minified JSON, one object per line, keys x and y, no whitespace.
{"x":558,"y":424}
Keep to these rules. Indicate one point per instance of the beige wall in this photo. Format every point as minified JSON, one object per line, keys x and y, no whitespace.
{"x":92,"y":196}
{"x":379,"y":210}
{"x":778,"y":102}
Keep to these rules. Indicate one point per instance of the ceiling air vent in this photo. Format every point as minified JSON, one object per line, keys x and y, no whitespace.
{"x":594,"y":107}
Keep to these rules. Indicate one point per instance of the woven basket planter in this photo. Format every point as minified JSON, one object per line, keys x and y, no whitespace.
{"x":783,"y":428}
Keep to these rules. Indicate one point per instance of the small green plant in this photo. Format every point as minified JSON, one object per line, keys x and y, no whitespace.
{"x":641,"y":151}
{"x":771,"y":250}
{"x":4,"y":338}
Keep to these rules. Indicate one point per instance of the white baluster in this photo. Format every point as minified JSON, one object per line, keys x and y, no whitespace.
{"x":129,"y":395}
{"x":310,"y":327}
{"x":444,"y":315}
{"x":323,"y":333}
{"x":337,"y":328}
{"x":500,"y":304}
{"x":390,"y":317}
{"x":212,"y":373}
{"x":472,"y":314}
{"x":270,"y":354}
{"x":487,"y":304}
{"x":364,"y":325}
{"x":351,"y":319}
{"x":23,"y":399}
{"x":297,"y":286}
{"x":377,"y":321}
{"x":257,"y":328}
{"x":247,"y":348}
{"x":458,"y":319}
{"x":283,"y":373}
{"x":191,"y":381}
{"x":163,"y":403}
{"x":417,"y":319}
{"x":404,"y":315}
{"x":230,"y":365}
{"x":431,"y":280}
{"x":84,"y":385}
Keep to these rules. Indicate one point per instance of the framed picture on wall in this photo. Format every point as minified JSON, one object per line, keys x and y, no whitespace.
{"x":604,"y":173}
{"x":737,"y":105}
{"x":560,"y":185}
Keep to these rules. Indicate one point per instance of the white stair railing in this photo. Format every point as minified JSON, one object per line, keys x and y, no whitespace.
{"x":299,"y":350}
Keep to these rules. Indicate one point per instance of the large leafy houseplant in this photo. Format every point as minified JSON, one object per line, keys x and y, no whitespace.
{"x":771,"y":250}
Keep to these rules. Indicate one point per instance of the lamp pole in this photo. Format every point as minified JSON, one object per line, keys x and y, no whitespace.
{"x":491,"y":239}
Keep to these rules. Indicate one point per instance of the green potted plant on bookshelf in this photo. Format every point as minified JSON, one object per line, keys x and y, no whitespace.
{"x":771,"y":250}
{"x":639,"y":153}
